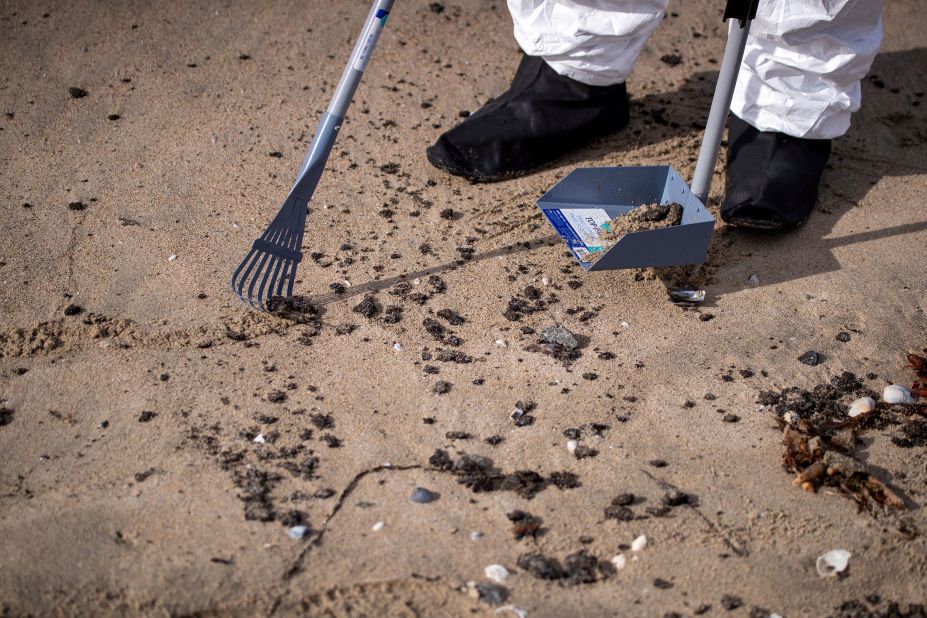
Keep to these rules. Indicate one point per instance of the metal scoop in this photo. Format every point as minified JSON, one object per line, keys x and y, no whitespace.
{"x":580,"y":206}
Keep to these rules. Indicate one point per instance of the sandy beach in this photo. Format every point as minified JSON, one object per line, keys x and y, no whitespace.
{"x":160,"y":442}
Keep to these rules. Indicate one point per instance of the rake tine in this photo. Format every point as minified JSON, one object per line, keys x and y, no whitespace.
{"x":239,"y":280}
{"x":270,"y":274}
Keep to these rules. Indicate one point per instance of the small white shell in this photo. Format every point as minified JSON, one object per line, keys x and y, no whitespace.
{"x":297,"y":532}
{"x":619,"y":562}
{"x":753,"y":280}
{"x":625,"y":324}
{"x":501,"y":343}
{"x":639,"y":543}
{"x":545,"y":280}
{"x":894,"y":393}
{"x":259,"y":439}
{"x":397,"y":346}
{"x":790,"y":417}
{"x":378,"y":526}
{"x":863,"y":405}
{"x":172,"y":258}
{"x":416,"y":281}
{"x":497,"y":573}
{"x":476,"y":535}
{"x":833,"y":563}
{"x":571,"y":446}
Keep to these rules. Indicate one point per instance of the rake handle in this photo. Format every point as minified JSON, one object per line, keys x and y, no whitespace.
{"x":311,"y":169}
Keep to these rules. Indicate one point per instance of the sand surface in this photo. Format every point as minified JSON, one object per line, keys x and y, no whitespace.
{"x":130,"y":479}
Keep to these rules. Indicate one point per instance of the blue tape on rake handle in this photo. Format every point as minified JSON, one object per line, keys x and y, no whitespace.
{"x":268,"y":247}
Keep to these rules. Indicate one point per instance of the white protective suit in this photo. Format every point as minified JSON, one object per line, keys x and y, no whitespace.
{"x":801,"y":71}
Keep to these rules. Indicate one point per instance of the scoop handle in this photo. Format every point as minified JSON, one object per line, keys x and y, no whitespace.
{"x":720,"y":106}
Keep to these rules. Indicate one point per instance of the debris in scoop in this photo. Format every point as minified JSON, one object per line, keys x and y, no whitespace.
{"x":642,"y":218}
{"x":833,"y":563}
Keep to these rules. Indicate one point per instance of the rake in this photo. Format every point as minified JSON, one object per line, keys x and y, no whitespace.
{"x":269,"y":269}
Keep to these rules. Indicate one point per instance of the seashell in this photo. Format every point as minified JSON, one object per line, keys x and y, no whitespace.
{"x":833,"y":563}
{"x":863,"y":405}
{"x":497,"y":573}
{"x":619,"y":562}
{"x":894,"y":393}
{"x":378,"y":526}
{"x":639,"y":543}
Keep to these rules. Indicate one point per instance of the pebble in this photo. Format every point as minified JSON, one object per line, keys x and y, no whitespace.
{"x":497,"y":573}
{"x":545,"y":280}
{"x":894,"y":393}
{"x":639,"y":543}
{"x":625,"y":324}
{"x":558,"y":334}
{"x":501,"y":343}
{"x":378,"y":526}
{"x":297,"y":532}
{"x":397,"y":346}
{"x":753,"y":281}
{"x":571,"y":446}
{"x":259,"y":439}
{"x":423,"y":496}
{"x":861,"y":406}
{"x":833,"y":563}
{"x":476,"y":535}
{"x":172,"y":258}
{"x":810,"y":358}
{"x":619,"y":562}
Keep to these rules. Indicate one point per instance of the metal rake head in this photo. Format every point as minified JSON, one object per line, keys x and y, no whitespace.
{"x":271,"y":263}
